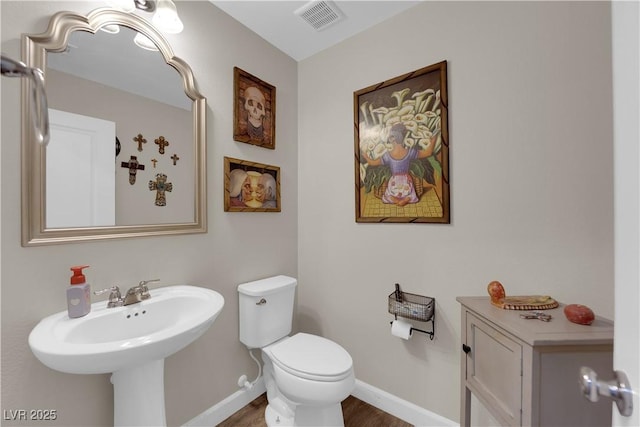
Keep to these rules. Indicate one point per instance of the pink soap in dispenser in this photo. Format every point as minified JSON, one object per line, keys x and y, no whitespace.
{"x":78,"y":294}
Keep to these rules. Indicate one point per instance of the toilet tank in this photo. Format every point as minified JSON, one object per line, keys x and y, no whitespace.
{"x":266,"y":310}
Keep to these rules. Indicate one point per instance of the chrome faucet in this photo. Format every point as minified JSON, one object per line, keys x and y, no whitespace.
{"x":115,"y":297}
{"x":138,"y":293}
{"x":134,"y":295}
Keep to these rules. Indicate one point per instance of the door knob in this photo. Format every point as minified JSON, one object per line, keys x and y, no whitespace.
{"x":618,"y":389}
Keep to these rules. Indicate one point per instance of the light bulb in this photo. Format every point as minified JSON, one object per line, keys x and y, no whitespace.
{"x":144,"y":42}
{"x":111,"y":29}
{"x":166,"y":18}
{"x":123,"y":5}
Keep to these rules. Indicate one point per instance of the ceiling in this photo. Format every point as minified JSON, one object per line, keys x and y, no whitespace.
{"x":276,"y":22}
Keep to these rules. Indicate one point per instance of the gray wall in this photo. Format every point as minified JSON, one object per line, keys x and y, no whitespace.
{"x":531,"y":181}
{"x":238,"y":247}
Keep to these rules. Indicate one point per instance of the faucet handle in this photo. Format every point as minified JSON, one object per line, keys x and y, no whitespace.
{"x":144,"y":289}
{"x":105,"y":290}
{"x":115,"y":298}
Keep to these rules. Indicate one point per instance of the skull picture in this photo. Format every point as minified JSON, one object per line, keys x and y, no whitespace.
{"x":256,"y":111}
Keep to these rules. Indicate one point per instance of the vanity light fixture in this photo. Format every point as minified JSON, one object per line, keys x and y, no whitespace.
{"x":131,"y":5}
{"x":144,"y":42}
{"x":144,"y":5}
{"x":111,"y":29}
{"x":166,"y":17}
{"x":122,"y":5}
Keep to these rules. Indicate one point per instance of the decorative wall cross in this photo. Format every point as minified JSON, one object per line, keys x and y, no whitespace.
{"x":160,"y":185}
{"x":133,"y":167}
{"x":161,"y":142}
{"x":140,"y":140}
{"x":175,"y":159}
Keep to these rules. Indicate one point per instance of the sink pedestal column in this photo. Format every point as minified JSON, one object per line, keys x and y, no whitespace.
{"x":138,"y":395}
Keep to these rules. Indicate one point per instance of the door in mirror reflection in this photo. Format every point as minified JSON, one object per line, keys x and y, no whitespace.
{"x":80,"y":171}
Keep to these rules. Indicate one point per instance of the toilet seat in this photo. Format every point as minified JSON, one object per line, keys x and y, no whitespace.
{"x":311,"y":357}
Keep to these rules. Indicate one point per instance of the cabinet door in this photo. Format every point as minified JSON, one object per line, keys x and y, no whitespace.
{"x":494,"y":370}
{"x":560,"y":402}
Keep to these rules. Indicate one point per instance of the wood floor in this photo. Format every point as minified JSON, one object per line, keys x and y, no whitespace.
{"x":356,"y":414}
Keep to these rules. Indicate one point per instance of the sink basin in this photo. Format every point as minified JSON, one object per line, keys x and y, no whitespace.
{"x":109,"y":339}
{"x":131,"y":342}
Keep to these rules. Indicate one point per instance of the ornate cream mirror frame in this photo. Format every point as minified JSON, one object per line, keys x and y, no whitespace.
{"x":34,"y":54}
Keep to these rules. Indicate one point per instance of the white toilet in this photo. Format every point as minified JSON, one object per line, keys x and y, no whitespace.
{"x":306,"y":376}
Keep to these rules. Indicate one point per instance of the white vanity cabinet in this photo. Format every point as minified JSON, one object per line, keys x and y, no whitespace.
{"x":525,"y":371}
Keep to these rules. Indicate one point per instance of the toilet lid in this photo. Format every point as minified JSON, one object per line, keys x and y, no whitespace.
{"x":310,"y":355}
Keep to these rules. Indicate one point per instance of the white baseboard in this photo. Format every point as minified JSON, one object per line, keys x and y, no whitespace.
{"x":382,"y":400}
{"x":227,"y":407}
{"x":399,"y":408}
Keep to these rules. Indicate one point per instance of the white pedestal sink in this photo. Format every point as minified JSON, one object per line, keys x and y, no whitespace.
{"x":131,"y":342}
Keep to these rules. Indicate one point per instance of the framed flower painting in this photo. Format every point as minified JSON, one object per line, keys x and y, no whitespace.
{"x":402,"y":148}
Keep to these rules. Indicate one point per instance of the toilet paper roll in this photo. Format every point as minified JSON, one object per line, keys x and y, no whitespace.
{"x":401,"y":329}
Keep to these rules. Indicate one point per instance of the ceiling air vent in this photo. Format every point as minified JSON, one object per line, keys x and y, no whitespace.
{"x":320,"y":14}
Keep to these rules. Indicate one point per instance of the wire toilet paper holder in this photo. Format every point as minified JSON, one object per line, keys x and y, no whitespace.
{"x":413,"y":306}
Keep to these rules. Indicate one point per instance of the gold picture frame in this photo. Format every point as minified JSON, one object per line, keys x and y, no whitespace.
{"x":402,"y":142}
{"x":251,"y":186}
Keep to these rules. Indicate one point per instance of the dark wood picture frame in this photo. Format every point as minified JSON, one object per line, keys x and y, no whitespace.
{"x":251,"y":186}
{"x":254,"y":110}
{"x":402,"y":142}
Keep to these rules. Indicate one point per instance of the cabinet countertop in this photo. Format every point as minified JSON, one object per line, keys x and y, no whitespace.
{"x":559,"y":331}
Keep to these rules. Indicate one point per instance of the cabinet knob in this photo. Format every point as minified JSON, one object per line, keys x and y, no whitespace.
{"x":466,"y":348}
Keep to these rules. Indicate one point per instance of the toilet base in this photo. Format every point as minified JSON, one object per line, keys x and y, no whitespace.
{"x":274,"y":419}
{"x":326,"y":416}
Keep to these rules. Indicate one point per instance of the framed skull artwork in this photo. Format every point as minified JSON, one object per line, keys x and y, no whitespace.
{"x":251,"y":186}
{"x":254,"y":110}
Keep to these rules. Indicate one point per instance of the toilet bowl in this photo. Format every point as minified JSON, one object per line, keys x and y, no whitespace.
{"x":313,"y":375}
{"x":306,"y":376}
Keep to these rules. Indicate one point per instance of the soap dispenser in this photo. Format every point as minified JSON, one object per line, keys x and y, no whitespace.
{"x":78,"y":293}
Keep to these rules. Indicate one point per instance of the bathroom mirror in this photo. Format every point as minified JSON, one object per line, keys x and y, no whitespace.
{"x":147,"y":177}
